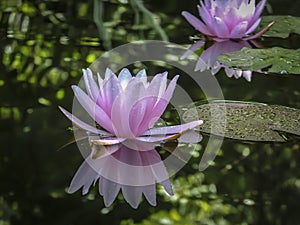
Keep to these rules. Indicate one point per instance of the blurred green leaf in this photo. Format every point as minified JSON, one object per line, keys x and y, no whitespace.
{"x":28,"y":9}
{"x":82,"y":9}
{"x":44,"y":101}
{"x":60,"y":94}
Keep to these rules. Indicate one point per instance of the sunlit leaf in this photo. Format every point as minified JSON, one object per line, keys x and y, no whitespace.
{"x":10,"y":113}
{"x":60,"y":94}
{"x":91,"y":58}
{"x":44,"y":101}
{"x":28,"y":9}
{"x":247,"y":121}
{"x":82,"y":9}
{"x":283,"y":27}
{"x":272,"y":60}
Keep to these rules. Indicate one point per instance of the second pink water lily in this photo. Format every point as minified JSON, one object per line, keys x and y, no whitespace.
{"x":222,"y":19}
{"x":127,"y":107}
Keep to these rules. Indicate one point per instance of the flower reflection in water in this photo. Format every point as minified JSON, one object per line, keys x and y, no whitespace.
{"x":132,"y":171}
{"x":209,"y":58}
{"x":123,"y":155}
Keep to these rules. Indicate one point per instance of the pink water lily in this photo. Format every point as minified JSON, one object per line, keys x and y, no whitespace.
{"x":127,"y":107}
{"x":122,"y":154}
{"x":222,"y":19}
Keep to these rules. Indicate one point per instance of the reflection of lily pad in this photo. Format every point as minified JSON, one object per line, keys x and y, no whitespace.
{"x":246,"y":121}
{"x":283,"y":27}
{"x":273,"y":60}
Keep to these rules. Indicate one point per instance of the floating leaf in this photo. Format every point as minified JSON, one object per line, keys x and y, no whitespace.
{"x":273,"y":60}
{"x":245,"y":120}
{"x":283,"y":27}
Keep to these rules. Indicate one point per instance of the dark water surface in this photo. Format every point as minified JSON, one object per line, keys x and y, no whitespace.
{"x":44,"y":46}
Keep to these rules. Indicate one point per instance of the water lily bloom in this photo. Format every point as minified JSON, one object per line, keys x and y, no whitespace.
{"x":126,"y":108}
{"x":222,"y":19}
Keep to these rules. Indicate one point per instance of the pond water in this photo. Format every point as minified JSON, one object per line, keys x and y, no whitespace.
{"x":44,"y":46}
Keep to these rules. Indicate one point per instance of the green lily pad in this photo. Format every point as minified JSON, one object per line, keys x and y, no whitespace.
{"x":272,"y":60}
{"x":245,"y":120}
{"x":283,"y":27}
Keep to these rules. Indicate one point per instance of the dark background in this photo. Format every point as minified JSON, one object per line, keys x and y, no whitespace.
{"x":44,"y":45}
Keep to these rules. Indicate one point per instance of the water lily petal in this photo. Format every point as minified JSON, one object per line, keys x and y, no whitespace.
{"x":247,"y":74}
{"x":137,"y":114}
{"x":143,"y":76}
{"x":239,"y":30}
{"x":123,"y":105}
{"x":129,"y":156}
{"x":108,"y":141}
{"x":193,"y":48}
{"x":229,"y":71}
{"x":173,"y":129}
{"x":109,"y":190}
{"x":100,"y":81}
{"x":220,"y":28}
{"x":158,"y":138}
{"x":205,"y":15}
{"x":215,"y":68}
{"x":208,"y":3}
{"x":90,"y":84}
{"x":222,"y":11}
{"x":137,"y":145}
{"x":109,"y":74}
{"x":97,"y":113}
{"x":84,"y":177}
{"x":253,"y":27}
{"x":231,"y":18}
{"x":190,"y":137}
{"x":152,"y":114}
{"x":155,"y":91}
{"x":162,"y":103}
{"x":238,"y":73}
{"x":246,"y":9}
{"x":80,"y":124}
{"x":150,"y":194}
{"x":132,"y":195}
{"x":258,"y":10}
{"x":110,"y":90}
{"x":158,"y":169}
{"x":196,"y":23}
{"x":168,"y":187}
{"x":158,"y":85}
{"x":135,"y":104}
{"x":201,"y":65}
{"x":124,"y":77}
{"x":209,"y":57}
